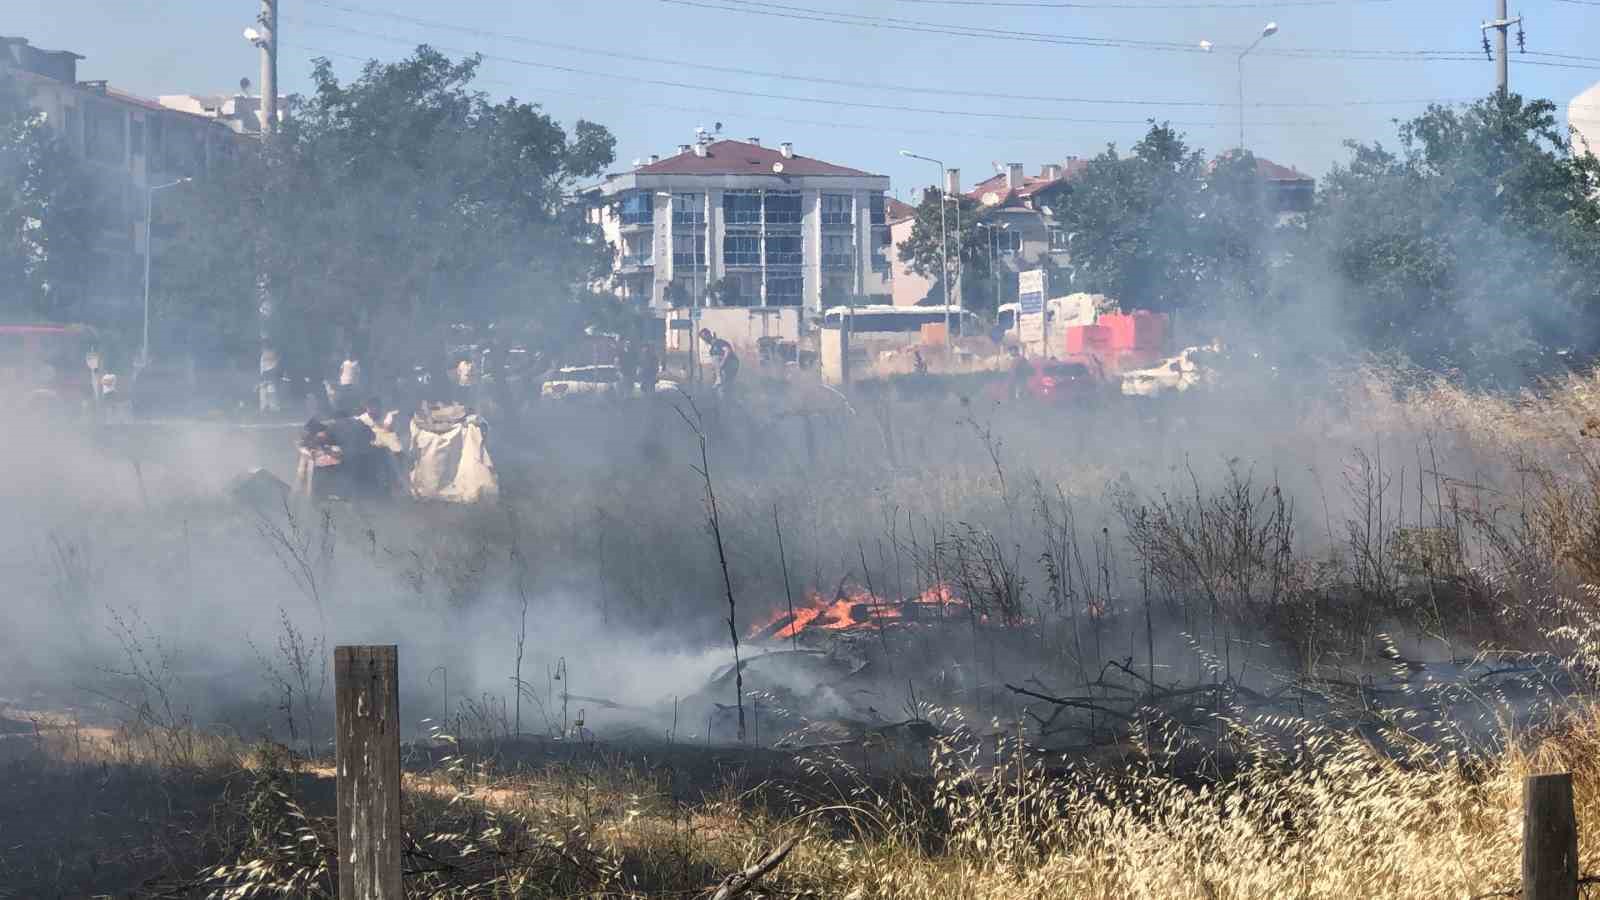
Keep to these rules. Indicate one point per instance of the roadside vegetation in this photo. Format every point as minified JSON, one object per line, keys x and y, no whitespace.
{"x":1421,"y":528}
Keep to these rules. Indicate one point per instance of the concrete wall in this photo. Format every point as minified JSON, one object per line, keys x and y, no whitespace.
{"x":908,"y":287}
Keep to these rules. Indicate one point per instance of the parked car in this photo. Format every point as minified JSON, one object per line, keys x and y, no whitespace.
{"x":1064,"y":382}
{"x":574,"y":382}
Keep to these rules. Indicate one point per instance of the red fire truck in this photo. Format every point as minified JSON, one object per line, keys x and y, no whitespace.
{"x":46,"y":366}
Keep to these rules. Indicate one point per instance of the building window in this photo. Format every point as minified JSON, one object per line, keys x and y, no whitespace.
{"x":103,"y":138}
{"x":638,"y":250}
{"x":837,"y":209}
{"x":1008,"y":242}
{"x":689,"y":251}
{"x":69,"y":126}
{"x":184,"y":151}
{"x":637,"y":208}
{"x":838,"y":251}
{"x":741,"y":250}
{"x":688,"y":209}
{"x":877,"y":213}
{"x":741,"y":289}
{"x":741,"y":207}
{"x":1059,"y":241}
{"x":785,"y":290}
{"x":838,"y":290}
{"x":784,"y":250}
{"x":152,"y":140}
{"x":783,"y":207}
{"x":881,"y":245}
{"x":686,"y":290}
{"x":638,"y":289}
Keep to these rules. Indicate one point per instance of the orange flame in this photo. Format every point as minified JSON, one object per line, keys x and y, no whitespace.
{"x":858,"y":608}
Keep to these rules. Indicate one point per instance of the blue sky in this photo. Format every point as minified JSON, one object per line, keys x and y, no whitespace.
{"x":1020,"y":89}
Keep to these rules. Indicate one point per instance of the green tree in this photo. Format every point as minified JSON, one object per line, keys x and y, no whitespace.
{"x":44,"y":213}
{"x":389,"y":209}
{"x":1163,"y":229}
{"x":1475,"y":247}
{"x":966,"y":247}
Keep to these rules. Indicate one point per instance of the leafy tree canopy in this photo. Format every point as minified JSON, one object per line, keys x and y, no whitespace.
{"x":388,"y":209}
{"x":44,"y":209}
{"x":1475,"y":246}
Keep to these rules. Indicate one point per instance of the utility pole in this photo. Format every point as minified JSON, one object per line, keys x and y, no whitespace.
{"x":269,"y":67}
{"x":1501,"y":24}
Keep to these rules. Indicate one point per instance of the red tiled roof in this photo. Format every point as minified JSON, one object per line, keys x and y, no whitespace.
{"x":1271,"y":171}
{"x":896,"y":211}
{"x":1031,"y":184}
{"x":741,"y":158}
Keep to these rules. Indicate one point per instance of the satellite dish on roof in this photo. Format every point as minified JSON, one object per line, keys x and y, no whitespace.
{"x":244,"y":86}
{"x":777,"y":168}
{"x":990,"y":198}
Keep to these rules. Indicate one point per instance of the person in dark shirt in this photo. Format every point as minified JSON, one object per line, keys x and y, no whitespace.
{"x":726,"y":360}
{"x":1021,"y":371}
{"x":627,"y":366}
{"x":649,"y":368}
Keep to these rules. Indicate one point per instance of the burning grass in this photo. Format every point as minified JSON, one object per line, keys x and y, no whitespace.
{"x":1192,"y":657}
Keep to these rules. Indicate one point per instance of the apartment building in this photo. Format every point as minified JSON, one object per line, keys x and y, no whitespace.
{"x":129,"y":144}
{"x":1020,"y":213}
{"x":737,"y":223}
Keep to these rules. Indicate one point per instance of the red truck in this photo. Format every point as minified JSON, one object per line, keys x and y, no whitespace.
{"x":45,"y":366}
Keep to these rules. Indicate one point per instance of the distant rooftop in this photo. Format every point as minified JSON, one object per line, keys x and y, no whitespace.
{"x":730,"y":157}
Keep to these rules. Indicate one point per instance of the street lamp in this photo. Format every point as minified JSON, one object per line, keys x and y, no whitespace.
{"x":944,"y":261}
{"x":149,"y":194}
{"x":993,"y":272}
{"x":1269,"y":30}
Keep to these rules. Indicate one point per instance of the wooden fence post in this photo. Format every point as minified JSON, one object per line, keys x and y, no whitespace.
{"x":1549,"y":839}
{"x":366,"y":685}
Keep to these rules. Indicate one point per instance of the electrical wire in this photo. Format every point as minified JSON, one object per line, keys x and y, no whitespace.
{"x":812,"y":14}
{"x":1053,"y":140}
{"x":841,"y":82}
{"x":1045,"y":4}
{"x":853,"y":104}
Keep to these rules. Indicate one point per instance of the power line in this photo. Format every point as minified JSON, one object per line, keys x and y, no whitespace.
{"x":766,"y":95}
{"x":1042,"y":4}
{"x":840,"y":82}
{"x":811,"y":14}
{"x":725,"y":112}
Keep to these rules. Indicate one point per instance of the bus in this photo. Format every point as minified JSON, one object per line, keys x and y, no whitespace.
{"x":886,"y":322}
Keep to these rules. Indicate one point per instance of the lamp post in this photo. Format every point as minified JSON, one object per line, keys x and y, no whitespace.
{"x":694,"y":296}
{"x":944,"y":260}
{"x":959,"y":298}
{"x":149,"y":195}
{"x":993,"y":272}
{"x":1270,"y":29}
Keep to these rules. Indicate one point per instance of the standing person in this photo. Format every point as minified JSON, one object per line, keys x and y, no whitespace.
{"x":627,"y":366}
{"x":649,"y":368}
{"x":723,"y":358}
{"x":1021,"y":371}
{"x":465,"y":378}
{"x":271,"y":374}
{"x":349,"y":384}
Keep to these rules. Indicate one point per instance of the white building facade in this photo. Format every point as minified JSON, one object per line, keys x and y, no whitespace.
{"x":734,"y":223}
